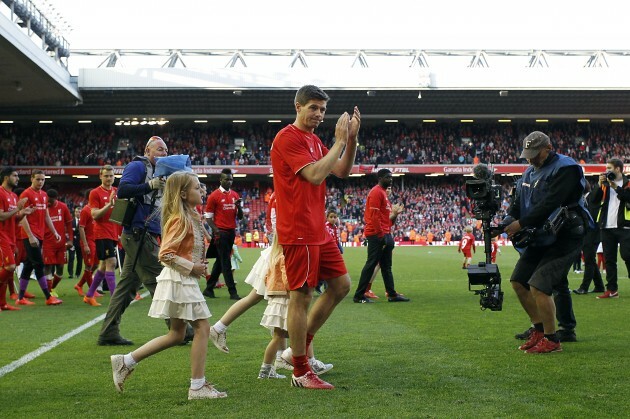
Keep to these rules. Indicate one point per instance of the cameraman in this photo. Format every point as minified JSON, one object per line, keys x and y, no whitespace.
{"x":614,"y":220}
{"x":550,"y":182}
{"x":138,"y":182}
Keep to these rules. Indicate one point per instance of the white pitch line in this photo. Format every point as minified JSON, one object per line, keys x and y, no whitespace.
{"x":51,"y":345}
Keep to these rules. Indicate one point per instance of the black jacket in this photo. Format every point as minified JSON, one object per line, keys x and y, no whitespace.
{"x":601,"y":198}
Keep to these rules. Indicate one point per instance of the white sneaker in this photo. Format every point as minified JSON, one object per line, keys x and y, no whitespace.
{"x":206,"y":392}
{"x":270,"y":373}
{"x":287,"y":356}
{"x":120,"y":371}
{"x":281,"y":363}
{"x":319,"y":367}
{"x":219,"y":340}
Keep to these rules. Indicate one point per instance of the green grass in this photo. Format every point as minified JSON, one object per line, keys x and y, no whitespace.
{"x":437,"y":356}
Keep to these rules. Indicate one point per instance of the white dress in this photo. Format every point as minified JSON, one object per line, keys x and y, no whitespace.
{"x":275,"y":314}
{"x":256,"y":277}
{"x":177,"y":295}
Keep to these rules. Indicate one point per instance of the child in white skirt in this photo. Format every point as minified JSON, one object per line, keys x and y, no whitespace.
{"x":275,"y":315}
{"x":177,"y":295}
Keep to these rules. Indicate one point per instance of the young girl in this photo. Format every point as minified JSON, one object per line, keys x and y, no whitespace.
{"x":275,"y":316}
{"x":235,"y":259}
{"x":177,"y":295}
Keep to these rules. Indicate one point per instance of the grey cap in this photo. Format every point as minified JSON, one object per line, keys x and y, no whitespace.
{"x":533,"y":143}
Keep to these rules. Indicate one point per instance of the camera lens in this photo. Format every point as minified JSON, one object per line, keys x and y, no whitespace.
{"x":611,"y":176}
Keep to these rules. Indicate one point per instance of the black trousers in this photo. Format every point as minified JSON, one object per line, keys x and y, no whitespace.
{"x":223,"y":264}
{"x":34,"y":261}
{"x":591,"y":271}
{"x":611,"y":238}
{"x":564,"y":306}
{"x":379,"y":253}
{"x":79,"y":255}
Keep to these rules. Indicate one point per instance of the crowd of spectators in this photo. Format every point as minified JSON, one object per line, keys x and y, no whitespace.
{"x":452,"y":143}
{"x":432,"y":205}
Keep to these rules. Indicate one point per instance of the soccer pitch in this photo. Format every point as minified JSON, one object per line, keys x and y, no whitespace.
{"x":436,"y":356}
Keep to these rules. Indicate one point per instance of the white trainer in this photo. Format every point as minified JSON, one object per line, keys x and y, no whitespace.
{"x":287,"y":356}
{"x":120,"y":371}
{"x":319,"y":367}
{"x":281,"y":363}
{"x":219,"y":340}
{"x":270,"y":373}
{"x":206,"y":392}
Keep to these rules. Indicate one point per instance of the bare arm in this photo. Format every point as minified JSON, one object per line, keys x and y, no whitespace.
{"x":27,"y":229}
{"x":317,"y":172}
{"x":51,"y":227}
{"x":343,"y":166}
{"x":100,"y":212}
{"x":84,"y":242}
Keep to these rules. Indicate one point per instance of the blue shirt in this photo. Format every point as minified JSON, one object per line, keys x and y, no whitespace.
{"x":133,"y":185}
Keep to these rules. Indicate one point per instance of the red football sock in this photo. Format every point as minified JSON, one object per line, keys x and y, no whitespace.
{"x":369,"y":288}
{"x":309,"y":339}
{"x":300,"y":365}
{"x":56,"y":280}
{"x":4,"y":279}
{"x":11,"y":284}
{"x":49,"y":282}
{"x":86,"y":277}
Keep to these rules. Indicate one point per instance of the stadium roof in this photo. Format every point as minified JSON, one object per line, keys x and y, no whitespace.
{"x":260,"y":84}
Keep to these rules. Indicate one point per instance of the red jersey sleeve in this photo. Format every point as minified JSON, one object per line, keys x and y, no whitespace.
{"x":299,"y":154}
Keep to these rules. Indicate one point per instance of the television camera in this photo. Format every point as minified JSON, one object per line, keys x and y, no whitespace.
{"x":486,"y":197}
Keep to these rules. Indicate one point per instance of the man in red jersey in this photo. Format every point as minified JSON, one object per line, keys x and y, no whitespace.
{"x":88,"y":248}
{"x":11,"y":210}
{"x":301,"y":164}
{"x":105,"y":233}
{"x":32,"y":233}
{"x":379,"y":218}
{"x":55,"y":252}
{"x":223,"y":207}
{"x":467,"y":246}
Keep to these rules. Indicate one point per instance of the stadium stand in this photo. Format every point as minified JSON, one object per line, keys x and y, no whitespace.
{"x":452,"y":143}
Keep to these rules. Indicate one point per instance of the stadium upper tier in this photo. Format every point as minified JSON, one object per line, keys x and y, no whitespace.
{"x":238,"y":144}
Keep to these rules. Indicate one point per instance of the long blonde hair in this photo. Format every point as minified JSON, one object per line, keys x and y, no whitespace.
{"x":174,"y":206}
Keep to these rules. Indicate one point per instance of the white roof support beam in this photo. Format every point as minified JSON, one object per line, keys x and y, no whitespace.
{"x":176,"y":56}
{"x":480,"y":60}
{"x":598,"y":60}
{"x":361,"y":59}
{"x":236,"y":57}
{"x":299,"y":57}
{"x":538,"y":59}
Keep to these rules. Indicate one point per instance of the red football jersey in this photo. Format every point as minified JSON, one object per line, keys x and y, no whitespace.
{"x":467,"y":242}
{"x":103,"y":228}
{"x":221,"y":204}
{"x":333,"y":230}
{"x":37,"y":219}
{"x":8,"y":202}
{"x":300,"y":213}
{"x":495,"y":248}
{"x":87,"y":222}
{"x":60,"y":217}
{"x":377,"y":222}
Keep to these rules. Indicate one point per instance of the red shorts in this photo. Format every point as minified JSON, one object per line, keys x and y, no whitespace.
{"x":21,"y":252}
{"x":54,"y":254}
{"x":467,"y":254}
{"x":8,"y":254}
{"x":307,"y":264}
{"x":90,"y":260}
